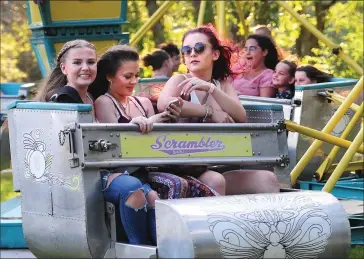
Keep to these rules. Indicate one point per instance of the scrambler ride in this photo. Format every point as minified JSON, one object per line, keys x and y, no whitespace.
{"x":57,"y":153}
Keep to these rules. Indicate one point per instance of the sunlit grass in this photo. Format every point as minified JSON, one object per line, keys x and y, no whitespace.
{"x":357,"y":252}
{"x":7,"y":191}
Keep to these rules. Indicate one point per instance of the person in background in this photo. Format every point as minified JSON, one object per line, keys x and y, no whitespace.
{"x":264,"y":30}
{"x":283,"y":79}
{"x":161,"y":63}
{"x":254,"y":69}
{"x":173,"y":51}
{"x":307,"y":74}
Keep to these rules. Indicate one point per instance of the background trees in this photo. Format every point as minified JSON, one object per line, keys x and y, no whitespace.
{"x":342,"y":21}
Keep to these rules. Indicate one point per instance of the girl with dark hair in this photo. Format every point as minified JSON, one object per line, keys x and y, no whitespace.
{"x":253,"y":74}
{"x":306,"y":75}
{"x":161,"y":63}
{"x":283,"y":79}
{"x":128,"y":188}
{"x":75,"y":70}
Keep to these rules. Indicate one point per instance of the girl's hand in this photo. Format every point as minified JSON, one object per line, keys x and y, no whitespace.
{"x":188,"y":85}
{"x":219,"y":116}
{"x":159,"y":118}
{"x":144,"y":124}
{"x":175,"y":110}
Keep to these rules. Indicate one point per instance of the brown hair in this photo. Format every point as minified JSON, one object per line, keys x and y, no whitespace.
{"x":57,"y":79}
{"x":108,"y":65}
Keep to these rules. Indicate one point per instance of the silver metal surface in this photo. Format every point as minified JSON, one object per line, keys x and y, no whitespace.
{"x":135,"y":251}
{"x":190,"y":161}
{"x":62,"y":207}
{"x":286,"y":104}
{"x":205,"y":127}
{"x":294,"y":224}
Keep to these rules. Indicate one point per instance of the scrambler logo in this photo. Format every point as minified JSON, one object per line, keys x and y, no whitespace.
{"x":177,"y":147}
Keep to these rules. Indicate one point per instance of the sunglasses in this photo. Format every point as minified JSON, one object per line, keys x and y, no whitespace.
{"x":198,"y":48}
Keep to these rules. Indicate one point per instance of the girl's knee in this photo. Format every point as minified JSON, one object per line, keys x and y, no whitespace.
{"x":152,"y":196}
{"x":136,"y":200}
{"x":214,"y":180}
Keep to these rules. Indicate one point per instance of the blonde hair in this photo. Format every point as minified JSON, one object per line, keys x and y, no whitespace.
{"x":57,"y":79}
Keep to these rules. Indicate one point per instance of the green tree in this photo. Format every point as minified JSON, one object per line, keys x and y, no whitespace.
{"x":18,"y":63}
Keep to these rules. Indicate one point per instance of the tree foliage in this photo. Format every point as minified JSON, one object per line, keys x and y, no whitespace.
{"x":341,"y":21}
{"x":18,"y":63}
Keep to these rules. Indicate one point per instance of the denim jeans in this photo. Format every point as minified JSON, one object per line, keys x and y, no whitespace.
{"x":139,"y":223}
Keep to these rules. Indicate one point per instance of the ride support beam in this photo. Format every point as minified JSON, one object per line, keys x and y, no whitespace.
{"x":352,"y":166}
{"x":221,"y":19}
{"x":336,"y":48}
{"x":151,"y":22}
{"x":344,"y":162}
{"x":337,"y":98}
{"x":330,"y":158}
{"x":341,"y":142}
{"x":305,"y":159}
{"x":201,"y":13}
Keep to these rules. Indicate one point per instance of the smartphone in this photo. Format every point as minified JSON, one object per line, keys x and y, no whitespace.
{"x":175,"y":102}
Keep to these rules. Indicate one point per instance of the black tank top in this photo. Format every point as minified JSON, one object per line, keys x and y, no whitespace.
{"x":124,"y":118}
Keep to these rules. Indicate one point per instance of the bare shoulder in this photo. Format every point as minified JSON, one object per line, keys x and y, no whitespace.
{"x":103,"y":100}
{"x":143,"y":100}
{"x":176,"y":79}
{"x":225,"y":84}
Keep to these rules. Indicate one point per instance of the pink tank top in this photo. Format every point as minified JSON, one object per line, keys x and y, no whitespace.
{"x":251,"y":86}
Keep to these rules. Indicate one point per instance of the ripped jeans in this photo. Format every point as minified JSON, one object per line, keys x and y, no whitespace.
{"x":139,"y":223}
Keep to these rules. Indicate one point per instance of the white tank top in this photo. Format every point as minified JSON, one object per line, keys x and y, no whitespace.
{"x":194,"y":98}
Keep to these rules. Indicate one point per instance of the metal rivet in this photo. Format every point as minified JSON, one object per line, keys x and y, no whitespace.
{"x":113,"y":155}
{"x":117,"y":134}
{"x":120,"y":155}
{"x":253,"y":153}
{"x":111,"y":134}
{"x":258,"y":153}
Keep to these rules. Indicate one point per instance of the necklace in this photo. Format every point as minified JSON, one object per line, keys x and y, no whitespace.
{"x":126,"y":106}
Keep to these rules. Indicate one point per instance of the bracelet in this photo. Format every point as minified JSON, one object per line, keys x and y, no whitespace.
{"x":207,"y":113}
{"x":212,"y":88}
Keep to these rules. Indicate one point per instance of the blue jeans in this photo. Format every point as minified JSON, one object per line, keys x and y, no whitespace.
{"x":139,"y":223}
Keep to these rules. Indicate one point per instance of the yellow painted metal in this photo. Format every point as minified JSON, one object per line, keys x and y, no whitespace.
{"x":294,"y":127}
{"x":34,"y":13}
{"x":337,"y":98}
{"x":322,"y":37}
{"x":44,"y":57}
{"x":201,"y":13}
{"x":344,"y":162}
{"x":151,"y":21}
{"x":154,"y":145}
{"x":84,"y":10}
{"x":352,"y":166}
{"x":305,"y":159}
{"x":330,"y":158}
{"x":101,"y":46}
{"x":221,"y":18}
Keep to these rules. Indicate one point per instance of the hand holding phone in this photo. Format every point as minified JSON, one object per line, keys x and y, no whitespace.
{"x":174,"y":109}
